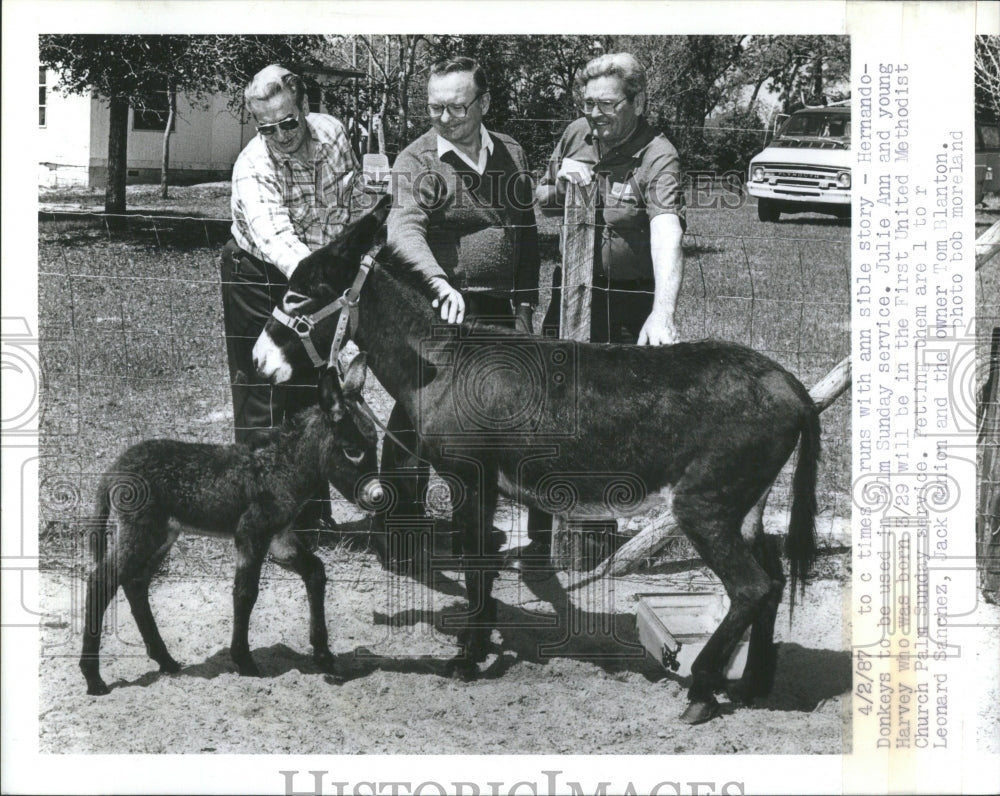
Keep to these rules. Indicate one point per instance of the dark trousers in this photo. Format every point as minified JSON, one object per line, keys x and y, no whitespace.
{"x":618,"y":309}
{"x":251,"y":288}
{"x":407,"y":475}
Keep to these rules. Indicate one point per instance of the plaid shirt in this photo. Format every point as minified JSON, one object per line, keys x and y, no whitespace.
{"x":283,"y":209}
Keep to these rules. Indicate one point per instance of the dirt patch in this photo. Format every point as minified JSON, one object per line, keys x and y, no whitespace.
{"x":566,"y":674}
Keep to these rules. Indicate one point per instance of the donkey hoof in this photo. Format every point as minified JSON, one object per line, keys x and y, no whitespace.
{"x":700,"y":712}
{"x":99,"y":688}
{"x":475,"y":644}
{"x":326,"y":662}
{"x":170,"y":666}
{"x":462,"y":669}
{"x":248,"y":669}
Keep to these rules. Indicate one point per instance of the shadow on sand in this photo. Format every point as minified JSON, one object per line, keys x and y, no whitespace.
{"x":604,"y":638}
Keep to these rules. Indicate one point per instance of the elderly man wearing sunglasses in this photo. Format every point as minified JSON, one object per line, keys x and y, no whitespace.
{"x":292,"y":186}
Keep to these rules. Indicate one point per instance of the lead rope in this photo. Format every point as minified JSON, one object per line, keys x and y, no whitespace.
{"x":362,"y":406}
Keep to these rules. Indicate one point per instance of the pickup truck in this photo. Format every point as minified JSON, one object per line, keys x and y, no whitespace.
{"x":806,"y":167}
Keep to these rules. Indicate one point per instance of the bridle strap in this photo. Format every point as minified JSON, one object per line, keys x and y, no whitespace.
{"x":362,"y":406}
{"x":338,"y":339}
{"x":303,"y":325}
{"x":348,"y":321}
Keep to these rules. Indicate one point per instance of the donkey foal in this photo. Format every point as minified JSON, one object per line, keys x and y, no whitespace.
{"x":160,"y":485}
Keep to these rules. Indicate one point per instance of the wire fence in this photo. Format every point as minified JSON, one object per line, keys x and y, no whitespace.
{"x":718,"y":150}
{"x":132,"y":346}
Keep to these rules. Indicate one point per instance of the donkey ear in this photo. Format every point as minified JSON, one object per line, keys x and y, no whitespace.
{"x":380,"y":212}
{"x":331,"y":397}
{"x":364,"y":230}
{"x":354,"y":378}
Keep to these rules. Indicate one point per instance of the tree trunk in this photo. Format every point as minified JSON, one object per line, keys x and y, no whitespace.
{"x":380,"y":118}
{"x":404,"y":109}
{"x":165,"y":164}
{"x":114,"y":195}
{"x":380,"y":132}
{"x":817,"y":77}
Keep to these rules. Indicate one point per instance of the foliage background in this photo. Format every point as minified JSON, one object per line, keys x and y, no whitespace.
{"x":713,"y":96}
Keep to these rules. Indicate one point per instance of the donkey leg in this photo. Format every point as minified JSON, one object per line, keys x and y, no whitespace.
{"x":140,"y":544}
{"x":137,"y":592}
{"x":251,"y":546}
{"x":101,"y":587}
{"x":136,"y":589}
{"x":474,"y":519}
{"x":289,"y":551}
{"x":758,"y":675}
{"x":406,"y":477}
{"x":715,"y":533}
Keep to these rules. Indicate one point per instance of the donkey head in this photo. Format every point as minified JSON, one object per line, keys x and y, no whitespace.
{"x":316,"y":283}
{"x":352,"y":464}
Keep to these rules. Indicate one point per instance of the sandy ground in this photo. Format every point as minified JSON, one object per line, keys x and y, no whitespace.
{"x":566,"y":675}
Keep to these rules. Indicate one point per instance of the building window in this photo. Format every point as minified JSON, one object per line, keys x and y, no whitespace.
{"x":41,"y":96}
{"x":152,"y":113}
{"x":314,"y":94}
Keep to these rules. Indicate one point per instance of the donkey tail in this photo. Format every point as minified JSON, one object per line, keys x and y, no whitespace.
{"x":800,"y":545}
{"x":96,"y":530}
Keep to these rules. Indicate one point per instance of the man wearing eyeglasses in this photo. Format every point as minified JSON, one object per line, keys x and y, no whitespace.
{"x":636,"y":173}
{"x":463,"y":214}
{"x":633,"y":175}
{"x":291,"y":195}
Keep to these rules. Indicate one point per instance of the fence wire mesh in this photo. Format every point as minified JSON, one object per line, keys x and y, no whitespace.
{"x":132,"y":344}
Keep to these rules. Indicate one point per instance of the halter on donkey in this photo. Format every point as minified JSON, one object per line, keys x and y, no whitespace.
{"x":704,"y":427}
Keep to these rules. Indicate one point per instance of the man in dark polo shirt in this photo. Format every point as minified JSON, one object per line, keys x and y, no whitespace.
{"x":463,"y":214}
{"x":633,"y":174}
{"x":636,"y":173}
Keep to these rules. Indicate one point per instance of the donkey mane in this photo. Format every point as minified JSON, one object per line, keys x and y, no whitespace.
{"x":400,"y":268}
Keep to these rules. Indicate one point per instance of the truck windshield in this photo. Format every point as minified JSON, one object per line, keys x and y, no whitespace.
{"x":817,"y":125}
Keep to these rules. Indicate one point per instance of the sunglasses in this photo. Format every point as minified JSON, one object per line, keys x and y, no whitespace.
{"x":291,"y":123}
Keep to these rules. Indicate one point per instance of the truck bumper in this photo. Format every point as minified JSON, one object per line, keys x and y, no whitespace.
{"x":806,"y":196}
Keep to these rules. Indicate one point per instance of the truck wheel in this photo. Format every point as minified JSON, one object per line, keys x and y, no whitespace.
{"x":767,"y":210}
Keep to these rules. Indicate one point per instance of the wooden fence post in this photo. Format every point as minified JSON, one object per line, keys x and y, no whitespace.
{"x":570,"y":545}
{"x":988,"y":416}
{"x":988,"y":513}
{"x":577,"y":237}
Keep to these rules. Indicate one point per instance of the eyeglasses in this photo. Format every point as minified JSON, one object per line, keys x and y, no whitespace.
{"x":455,"y":110}
{"x":607,"y":107}
{"x":289,"y":123}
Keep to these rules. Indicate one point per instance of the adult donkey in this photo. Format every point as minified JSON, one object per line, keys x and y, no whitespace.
{"x":704,"y":427}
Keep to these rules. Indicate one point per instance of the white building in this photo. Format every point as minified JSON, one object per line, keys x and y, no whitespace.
{"x":207,"y":136}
